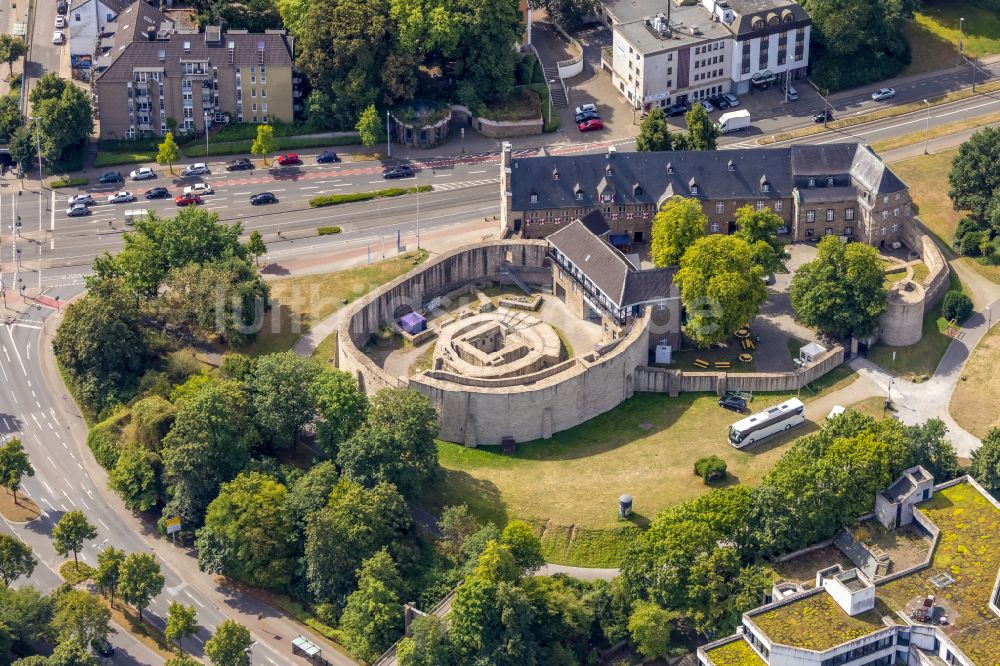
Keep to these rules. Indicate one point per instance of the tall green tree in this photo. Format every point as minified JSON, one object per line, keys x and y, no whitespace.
{"x":373,"y":616}
{"x":263,"y":144}
{"x":368,"y":127}
{"x":650,"y":627}
{"x":71,"y":532}
{"x":655,"y":134}
{"x":229,"y":645}
{"x":256,"y":247}
{"x":22,"y":146}
{"x":341,"y":406}
{"x":137,"y":477}
{"x":12,"y":49}
{"x":26,"y":616}
{"x":676,"y":226}
{"x":16,"y":559}
{"x":248,"y":533}
{"x":10,"y":114}
{"x":427,"y":644}
{"x":985,"y":466}
{"x":457,"y":524}
{"x":721,"y":287}
{"x":14,"y":466}
{"x":139,"y":580}
{"x":759,"y":228}
{"x":930,"y":447}
{"x":182,"y":622}
{"x":310,"y":492}
{"x":207,"y":446}
{"x":64,"y":121}
{"x":109,"y":564}
{"x":842,"y":291}
{"x":355,"y":523}
{"x":168,"y":152}
{"x":524,"y":545}
{"x":702,"y":132}
{"x":973,"y":176}
{"x":49,"y":86}
{"x":80,"y":617}
{"x":71,"y":653}
{"x":283,"y":402}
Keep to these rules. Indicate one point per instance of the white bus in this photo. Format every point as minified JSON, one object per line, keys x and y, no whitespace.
{"x":763,"y":424}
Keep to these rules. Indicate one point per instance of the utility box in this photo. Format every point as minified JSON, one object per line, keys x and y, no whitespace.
{"x":625,"y":506}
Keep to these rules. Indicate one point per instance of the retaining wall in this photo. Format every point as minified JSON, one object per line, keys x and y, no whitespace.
{"x":505,"y":129}
{"x":672,"y":381}
{"x":938,"y":280}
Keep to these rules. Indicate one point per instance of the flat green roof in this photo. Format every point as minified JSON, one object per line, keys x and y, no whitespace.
{"x":968,"y":550}
{"x":735,"y":653}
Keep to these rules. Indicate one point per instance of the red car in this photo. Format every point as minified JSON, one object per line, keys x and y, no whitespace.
{"x":290,"y":158}
{"x":187,"y":199}
{"x":591,"y":125}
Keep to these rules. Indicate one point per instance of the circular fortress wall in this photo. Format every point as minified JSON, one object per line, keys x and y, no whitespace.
{"x":527,"y":402}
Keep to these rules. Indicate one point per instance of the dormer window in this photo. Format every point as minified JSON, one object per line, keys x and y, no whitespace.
{"x":758,"y":23}
{"x":764,"y":185}
{"x":555,"y":174}
{"x":578,"y":192}
{"x":693,"y":186}
{"x":607,"y":170}
{"x":533,"y":197}
{"x":607,"y":197}
{"x":637,"y":189}
{"x":812,"y":182}
{"x":670,"y":167}
{"x":829,"y":181}
{"x":732,"y":167}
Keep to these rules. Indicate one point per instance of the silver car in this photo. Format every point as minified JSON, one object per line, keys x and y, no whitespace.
{"x":196,"y":169}
{"x":121,"y":197}
{"x":142,"y":173}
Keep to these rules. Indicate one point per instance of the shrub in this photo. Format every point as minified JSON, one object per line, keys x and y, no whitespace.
{"x":152,"y":417}
{"x":69,"y":182}
{"x":966,"y":225}
{"x":104,"y":439}
{"x":711,"y":468}
{"x":337,"y":199}
{"x":956,"y":305}
{"x":328,"y":231}
{"x":971,"y":242}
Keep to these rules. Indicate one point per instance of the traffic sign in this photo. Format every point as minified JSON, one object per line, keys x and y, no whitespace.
{"x":173,"y":524}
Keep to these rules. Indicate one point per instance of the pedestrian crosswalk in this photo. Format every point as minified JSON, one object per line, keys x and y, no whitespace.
{"x":445,"y":187}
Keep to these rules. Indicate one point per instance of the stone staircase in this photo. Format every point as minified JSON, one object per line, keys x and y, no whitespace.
{"x":556,"y":88}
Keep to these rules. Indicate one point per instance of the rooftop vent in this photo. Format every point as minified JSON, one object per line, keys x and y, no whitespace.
{"x":732,"y":166}
{"x":659,"y":25}
{"x":693,"y":29}
{"x":555,"y":173}
{"x":161,"y":55}
{"x":187,"y":47}
{"x":670,"y":167}
{"x":213,"y":34}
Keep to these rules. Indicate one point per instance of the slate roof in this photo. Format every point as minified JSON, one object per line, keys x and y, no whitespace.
{"x":648,"y":285}
{"x":747,"y":10}
{"x":595,"y":223}
{"x":604,"y":265}
{"x":133,"y":48}
{"x":114,"y":6}
{"x":651,"y":178}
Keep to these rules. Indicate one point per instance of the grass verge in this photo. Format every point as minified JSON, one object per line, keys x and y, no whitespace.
{"x":328,"y":231}
{"x":939,"y":131}
{"x":111,"y":158}
{"x":242,"y":147}
{"x":326,"y":350}
{"x":299,"y":302}
{"x":68,"y":181}
{"x":73,"y":574}
{"x":888,"y":112}
{"x":351,"y":197}
{"x":973,"y":404}
{"x":21,"y":512}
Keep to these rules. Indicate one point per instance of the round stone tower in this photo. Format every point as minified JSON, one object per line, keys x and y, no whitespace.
{"x":902,"y":322}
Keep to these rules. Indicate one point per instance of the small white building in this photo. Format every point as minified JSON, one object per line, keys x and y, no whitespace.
{"x":87,"y":19}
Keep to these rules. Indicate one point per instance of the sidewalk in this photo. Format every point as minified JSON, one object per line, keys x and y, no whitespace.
{"x":901,"y":81}
{"x":11,"y":17}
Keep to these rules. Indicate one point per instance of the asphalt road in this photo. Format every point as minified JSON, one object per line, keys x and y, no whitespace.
{"x":45,"y":55}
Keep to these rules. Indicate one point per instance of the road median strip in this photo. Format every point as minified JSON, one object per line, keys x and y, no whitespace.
{"x":881,"y":114}
{"x":935,"y":132}
{"x":351,"y":197}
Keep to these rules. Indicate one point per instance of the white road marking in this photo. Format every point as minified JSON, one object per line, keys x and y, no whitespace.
{"x":47,"y":486}
{"x":16,"y":353}
{"x":85,"y":506}
{"x":239,"y":194}
{"x":49,"y":503}
{"x":70,"y":500}
{"x":193,"y":598}
{"x":480,"y":171}
{"x":104,"y":524}
{"x":310,"y":188}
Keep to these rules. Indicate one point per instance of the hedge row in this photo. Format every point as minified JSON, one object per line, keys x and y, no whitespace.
{"x":328,"y":231}
{"x":337,"y":199}
{"x":69,"y":182}
{"x":291,"y":143}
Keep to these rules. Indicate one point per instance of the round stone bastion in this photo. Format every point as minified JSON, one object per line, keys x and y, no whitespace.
{"x":901,"y":323}
{"x":495,"y":375}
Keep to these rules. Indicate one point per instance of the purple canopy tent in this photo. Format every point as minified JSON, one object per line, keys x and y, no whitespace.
{"x":413,"y":322}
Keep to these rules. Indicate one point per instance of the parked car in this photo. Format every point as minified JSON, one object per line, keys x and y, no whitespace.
{"x":199,"y":189}
{"x":883,"y":94}
{"x":585,"y":116}
{"x":187,"y":199}
{"x":675,"y":110}
{"x":732,"y":99}
{"x":157,"y":193}
{"x":591,"y":125}
{"x":401,"y":171}
{"x":62,"y":7}
{"x":58,"y":37}
{"x":326,"y":157}
{"x":102,"y":647}
{"x":705,"y":104}
{"x":584,"y":108}
{"x":111,"y":177}
{"x":241,"y":164}
{"x":289,"y":159}
{"x":196,"y":169}
{"x":763,"y":78}
{"x":121,"y":197}
{"x":142,"y":173}
{"x":60,"y":21}
{"x":263,"y":198}
{"x":791,"y":93}
{"x":719,"y":101}
{"x":84,"y":199}
{"x":77,"y":210}
{"x":822,"y":116}
{"x":733,"y":403}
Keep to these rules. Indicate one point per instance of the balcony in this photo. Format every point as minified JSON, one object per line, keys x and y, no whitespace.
{"x":590,"y":295}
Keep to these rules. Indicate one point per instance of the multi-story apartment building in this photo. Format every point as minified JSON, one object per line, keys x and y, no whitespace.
{"x":87,"y":19}
{"x":685,"y":50}
{"x":149,"y":70}
{"x":940,"y":610}
{"x":842,"y":190}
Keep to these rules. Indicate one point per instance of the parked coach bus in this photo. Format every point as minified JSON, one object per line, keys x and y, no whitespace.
{"x":763,"y":424}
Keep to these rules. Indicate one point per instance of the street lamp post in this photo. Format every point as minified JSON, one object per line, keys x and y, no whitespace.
{"x":989,"y":318}
{"x":206,"y":136}
{"x":388,"y":138}
{"x":249,"y":652}
{"x":927,"y":125}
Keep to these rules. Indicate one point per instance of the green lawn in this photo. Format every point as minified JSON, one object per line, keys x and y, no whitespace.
{"x":106,"y":158}
{"x":973,"y":404}
{"x":299,"y":302}
{"x":568,"y":486}
{"x":934,"y":34}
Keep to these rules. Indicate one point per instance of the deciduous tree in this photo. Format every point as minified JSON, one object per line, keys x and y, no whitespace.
{"x":80,"y":617}
{"x":168,"y":152}
{"x":10,"y":114}
{"x":676,"y":226}
{"x":650,"y":627}
{"x":368,"y":127}
{"x":139,"y":580}
{"x":263,"y":144}
{"x":182,"y":622}
{"x":71,"y":653}
{"x":760,"y":228}
{"x":283,"y":402}
{"x":842,"y":291}
{"x":721,"y":287}
{"x":702,"y":132}
{"x":973,"y":177}
{"x":14,"y":466}
{"x":16,"y":559}
{"x":229,"y":645}
{"x":655,"y":134}
{"x":524,"y":545}
{"x":341,"y":406}
{"x":109,"y":564}
{"x":986,"y":462}
{"x":63,"y":121}
{"x":137,"y":477}
{"x":71,"y":532}
{"x":373,"y":616}
{"x":256,"y":247}
{"x":427,"y":644}
{"x":22,"y":145}
{"x":12,"y":49}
